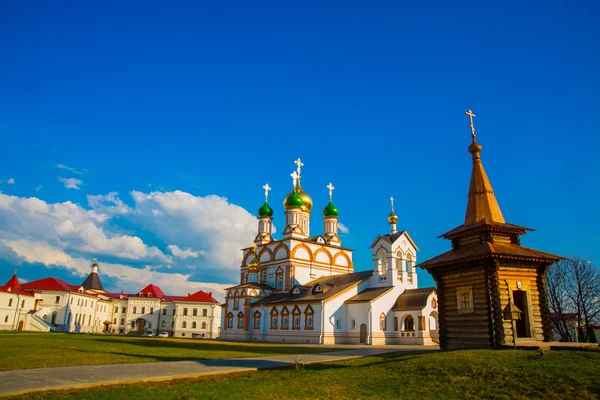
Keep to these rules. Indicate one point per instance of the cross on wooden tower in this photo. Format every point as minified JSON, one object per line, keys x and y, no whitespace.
{"x":299,"y":163}
{"x":267,"y":188}
{"x":330,"y":187}
{"x":471,"y":115}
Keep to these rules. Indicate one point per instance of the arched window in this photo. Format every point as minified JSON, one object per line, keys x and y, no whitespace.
{"x":256,"y":320}
{"x":163,"y":323}
{"x":285,"y":318}
{"x":122,"y":321}
{"x":382,"y":322}
{"x":184,"y":325}
{"x":69,"y":318}
{"x":274,"y":318}
{"x":204,"y":325}
{"x":115,"y":321}
{"x":410,"y":264}
{"x":409,"y":323}
{"x":150,"y":325}
{"x":240,"y":320}
{"x":54,"y":314}
{"x":308,"y":318}
{"x":194,"y":325}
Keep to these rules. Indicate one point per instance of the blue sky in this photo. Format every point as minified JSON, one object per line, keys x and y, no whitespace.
{"x":213,"y":100}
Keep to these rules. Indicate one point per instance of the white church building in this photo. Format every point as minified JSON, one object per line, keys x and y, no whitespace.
{"x":303,"y":288}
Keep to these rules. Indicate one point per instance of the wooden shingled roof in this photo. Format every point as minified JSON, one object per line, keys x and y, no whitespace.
{"x":486,"y":250}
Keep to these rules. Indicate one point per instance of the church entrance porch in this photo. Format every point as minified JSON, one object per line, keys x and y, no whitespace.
{"x":363,"y":334}
{"x":522,"y":325}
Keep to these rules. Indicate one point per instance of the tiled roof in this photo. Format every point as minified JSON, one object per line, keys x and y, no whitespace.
{"x":13,"y":286}
{"x":369,"y":294}
{"x":331,"y":285}
{"x":154,"y":291}
{"x":92,"y":282}
{"x":413,"y":299}
{"x":253,"y":285}
{"x":485,"y":224}
{"x":199,"y":297}
{"x":495,"y":250}
{"x":50,"y":283}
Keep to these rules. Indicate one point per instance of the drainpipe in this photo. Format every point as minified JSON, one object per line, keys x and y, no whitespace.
{"x":322,"y":337}
{"x":16,"y":319}
{"x":369,"y":340}
{"x":67,"y":310}
{"x":264,"y":322}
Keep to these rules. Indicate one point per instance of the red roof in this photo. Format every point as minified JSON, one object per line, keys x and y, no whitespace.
{"x":13,"y":283}
{"x":13,"y":286}
{"x":50,"y":284}
{"x":200,"y":297}
{"x":154,"y":291}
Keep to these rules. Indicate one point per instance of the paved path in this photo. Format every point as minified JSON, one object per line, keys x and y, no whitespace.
{"x":34,"y":380}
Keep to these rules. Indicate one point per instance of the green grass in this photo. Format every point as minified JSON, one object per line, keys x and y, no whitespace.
{"x":488,"y":374}
{"x":39,"y":350}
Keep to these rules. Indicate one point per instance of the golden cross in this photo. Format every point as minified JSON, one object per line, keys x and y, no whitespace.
{"x":330,"y":187}
{"x":295,"y":177}
{"x":299,"y":163}
{"x":471,"y":115}
{"x":392,"y":200}
{"x":267,"y":188}
{"x":254,"y":247}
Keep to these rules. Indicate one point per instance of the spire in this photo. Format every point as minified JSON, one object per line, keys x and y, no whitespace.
{"x":482,"y":204}
{"x":92,"y":282}
{"x":392,"y":218}
{"x":13,"y":282}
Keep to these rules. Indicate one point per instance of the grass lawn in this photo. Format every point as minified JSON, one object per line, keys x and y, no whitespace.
{"x":38,"y":350}
{"x":488,"y":374}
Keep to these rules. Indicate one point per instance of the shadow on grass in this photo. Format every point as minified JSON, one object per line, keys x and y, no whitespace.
{"x":266,"y":349}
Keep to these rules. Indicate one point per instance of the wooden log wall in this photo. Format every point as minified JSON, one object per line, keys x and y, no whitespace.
{"x":529,"y":283}
{"x":470,"y":329}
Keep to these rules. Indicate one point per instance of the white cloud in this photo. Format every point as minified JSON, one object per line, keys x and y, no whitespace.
{"x":181,"y":253}
{"x":108,"y":204}
{"x":38,"y":188}
{"x":74,"y":170}
{"x":220,"y":227}
{"x":71,"y":183}
{"x":129,"y":279}
{"x":342,"y":228}
{"x":11,"y":181}
{"x":66,"y":235}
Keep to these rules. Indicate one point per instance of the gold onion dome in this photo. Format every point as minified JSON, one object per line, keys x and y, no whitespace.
{"x":298,"y":198}
{"x":393,"y":218}
{"x":293,"y":200}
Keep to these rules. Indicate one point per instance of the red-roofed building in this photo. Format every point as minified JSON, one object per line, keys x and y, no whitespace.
{"x":197,"y":314}
{"x":17,"y":308}
{"x":54,"y":304}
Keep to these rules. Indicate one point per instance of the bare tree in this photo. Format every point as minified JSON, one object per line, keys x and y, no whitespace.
{"x":573,"y":286}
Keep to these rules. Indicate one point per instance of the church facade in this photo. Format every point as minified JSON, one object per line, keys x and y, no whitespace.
{"x":302,"y":288}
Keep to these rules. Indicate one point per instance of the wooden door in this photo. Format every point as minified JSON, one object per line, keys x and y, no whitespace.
{"x":363,"y":334}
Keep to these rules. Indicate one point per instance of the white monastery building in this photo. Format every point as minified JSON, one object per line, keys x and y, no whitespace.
{"x":303,"y":288}
{"x":53,"y":304}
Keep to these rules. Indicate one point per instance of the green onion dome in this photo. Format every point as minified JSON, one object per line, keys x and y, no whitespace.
{"x":265,"y":210}
{"x":330,"y":210}
{"x":293,"y":200}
